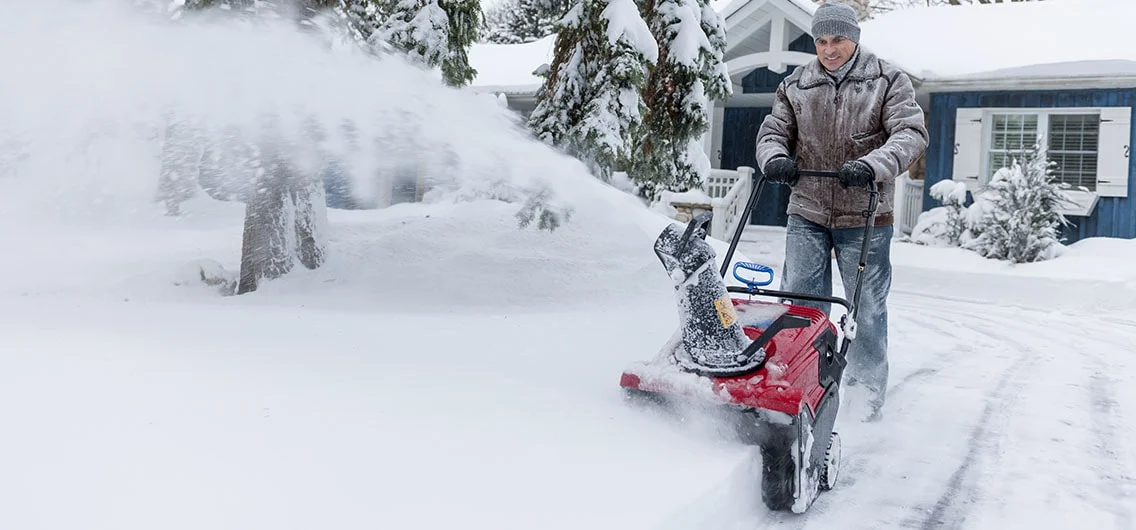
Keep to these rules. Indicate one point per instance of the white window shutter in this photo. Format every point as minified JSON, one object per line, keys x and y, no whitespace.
{"x":1112,"y":151}
{"x":968,"y":147}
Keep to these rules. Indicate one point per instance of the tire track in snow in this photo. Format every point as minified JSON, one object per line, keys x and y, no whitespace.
{"x":1100,"y":395}
{"x":950,"y":509}
{"x":1118,"y":472}
{"x":1115,"y":478}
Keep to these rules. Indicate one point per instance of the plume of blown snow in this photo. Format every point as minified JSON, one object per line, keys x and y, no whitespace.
{"x":90,"y":87}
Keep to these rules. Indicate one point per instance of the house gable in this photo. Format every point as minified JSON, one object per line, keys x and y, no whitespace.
{"x":769,"y":35}
{"x":764,"y":81}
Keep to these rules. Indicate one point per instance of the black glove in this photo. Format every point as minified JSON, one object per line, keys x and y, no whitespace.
{"x":782,"y":170}
{"x":855,"y":173}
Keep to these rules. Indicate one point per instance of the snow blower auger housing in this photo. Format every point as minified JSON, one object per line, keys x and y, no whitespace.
{"x":774,"y":368}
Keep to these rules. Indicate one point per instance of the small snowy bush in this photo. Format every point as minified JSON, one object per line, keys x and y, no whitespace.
{"x":947,"y":223}
{"x":1018,"y":217}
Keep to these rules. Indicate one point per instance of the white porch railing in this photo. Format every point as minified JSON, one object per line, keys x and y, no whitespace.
{"x":910,"y":199}
{"x":729,"y":192}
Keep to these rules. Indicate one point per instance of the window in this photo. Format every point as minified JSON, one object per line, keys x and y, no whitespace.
{"x":1089,"y":146}
{"x":1071,"y":143}
{"x":1010,"y":135}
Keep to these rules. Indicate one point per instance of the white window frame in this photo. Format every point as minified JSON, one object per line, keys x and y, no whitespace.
{"x":975,"y":125}
{"x":1042,"y":114}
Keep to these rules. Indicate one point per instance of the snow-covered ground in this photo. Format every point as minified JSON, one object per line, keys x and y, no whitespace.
{"x":447,"y":369}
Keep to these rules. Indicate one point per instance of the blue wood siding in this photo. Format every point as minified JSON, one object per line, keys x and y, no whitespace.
{"x":739,"y":138}
{"x":763,"y":81}
{"x":1113,"y":216}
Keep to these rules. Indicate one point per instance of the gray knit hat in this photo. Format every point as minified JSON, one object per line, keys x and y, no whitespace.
{"x":836,"y":19}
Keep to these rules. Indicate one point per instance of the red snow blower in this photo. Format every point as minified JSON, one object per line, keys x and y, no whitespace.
{"x":773,"y":368}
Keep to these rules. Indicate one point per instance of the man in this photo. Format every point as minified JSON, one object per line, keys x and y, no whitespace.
{"x":850,"y":112}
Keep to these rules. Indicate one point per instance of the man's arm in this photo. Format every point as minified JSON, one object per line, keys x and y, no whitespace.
{"x":906,"y":130}
{"x":778,"y":131}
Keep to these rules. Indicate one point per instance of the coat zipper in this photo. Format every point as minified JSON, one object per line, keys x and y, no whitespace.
{"x":839,"y":127}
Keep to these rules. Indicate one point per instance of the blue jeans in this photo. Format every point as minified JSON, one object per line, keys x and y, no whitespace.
{"x":808,"y":269}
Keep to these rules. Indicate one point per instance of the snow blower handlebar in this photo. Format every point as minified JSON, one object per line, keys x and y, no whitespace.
{"x":869,"y":218}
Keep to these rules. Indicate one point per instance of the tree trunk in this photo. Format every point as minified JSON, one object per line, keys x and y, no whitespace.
{"x":285,"y":220}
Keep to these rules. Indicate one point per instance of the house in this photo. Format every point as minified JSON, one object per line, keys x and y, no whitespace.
{"x":990,"y":78}
{"x":1061,"y":69}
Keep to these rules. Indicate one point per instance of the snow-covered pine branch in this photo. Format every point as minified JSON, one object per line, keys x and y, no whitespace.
{"x":560,"y":100}
{"x":690,"y":73}
{"x":464,"y":17}
{"x":436,"y":33}
{"x":591,"y":104}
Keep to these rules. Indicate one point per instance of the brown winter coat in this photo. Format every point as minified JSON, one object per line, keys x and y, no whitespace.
{"x":873,"y":117}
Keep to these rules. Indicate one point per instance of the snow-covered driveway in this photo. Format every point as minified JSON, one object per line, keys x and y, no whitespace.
{"x":286,"y":412}
{"x":1009,"y":408}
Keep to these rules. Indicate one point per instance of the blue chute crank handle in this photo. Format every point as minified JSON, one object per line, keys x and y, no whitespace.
{"x":755,"y":267}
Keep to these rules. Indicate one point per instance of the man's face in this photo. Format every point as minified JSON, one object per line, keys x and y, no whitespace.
{"x":834,"y":50}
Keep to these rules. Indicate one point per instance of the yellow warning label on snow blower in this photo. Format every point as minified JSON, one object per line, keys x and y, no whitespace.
{"x":726,"y":312}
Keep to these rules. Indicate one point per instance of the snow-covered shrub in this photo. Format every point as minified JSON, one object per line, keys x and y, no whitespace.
{"x":1018,"y":218}
{"x":931,"y":228}
{"x":945,"y":224}
{"x":208,"y":272}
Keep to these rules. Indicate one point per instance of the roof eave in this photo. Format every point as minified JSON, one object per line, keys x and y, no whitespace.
{"x":508,"y":90}
{"x":1028,"y":83}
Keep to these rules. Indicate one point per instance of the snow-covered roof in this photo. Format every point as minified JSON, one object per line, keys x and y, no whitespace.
{"x":1043,"y":41}
{"x":508,"y":68}
{"x":1007,"y":40}
{"x":726,"y":8}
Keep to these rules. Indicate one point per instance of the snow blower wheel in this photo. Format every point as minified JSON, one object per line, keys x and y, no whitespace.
{"x":831,"y":468}
{"x":775,"y":369}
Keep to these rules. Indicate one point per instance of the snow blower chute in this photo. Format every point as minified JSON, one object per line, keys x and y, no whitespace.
{"x":773,"y":367}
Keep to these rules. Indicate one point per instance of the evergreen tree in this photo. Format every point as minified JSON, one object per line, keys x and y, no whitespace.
{"x":690,"y":74}
{"x":521,"y":21}
{"x":495,"y":24}
{"x":237,"y":7}
{"x":591,"y":104}
{"x":1018,"y":219}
